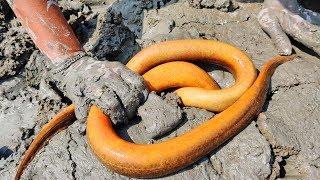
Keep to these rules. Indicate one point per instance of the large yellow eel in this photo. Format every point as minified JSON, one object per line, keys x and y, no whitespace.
{"x":162,"y":66}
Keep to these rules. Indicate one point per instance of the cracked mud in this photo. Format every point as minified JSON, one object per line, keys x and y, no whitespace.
{"x":281,"y":143}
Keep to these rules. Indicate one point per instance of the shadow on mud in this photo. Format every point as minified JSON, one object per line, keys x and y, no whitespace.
{"x":5,"y":152}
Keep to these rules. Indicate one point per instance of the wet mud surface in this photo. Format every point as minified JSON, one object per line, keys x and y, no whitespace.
{"x":281,"y":143}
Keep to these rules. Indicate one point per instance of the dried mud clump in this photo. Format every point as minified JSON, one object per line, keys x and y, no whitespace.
{"x":111,"y":38}
{"x":15,"y":50}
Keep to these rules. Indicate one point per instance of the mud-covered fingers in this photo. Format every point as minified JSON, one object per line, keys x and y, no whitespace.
{"x":98,"y":80}
{"x":82,"y":106}
{"x":301,"y":30}
{"x":90,"y":89}
{"x":75,"y":87}
{"x":270,"y":24}
{"x":138,"y":91}
{"x":125,"y":92}
{"x":133,"y":79}
{"x":106,"y":99}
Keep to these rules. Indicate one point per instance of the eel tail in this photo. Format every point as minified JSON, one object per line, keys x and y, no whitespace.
{"x":62,"y":120}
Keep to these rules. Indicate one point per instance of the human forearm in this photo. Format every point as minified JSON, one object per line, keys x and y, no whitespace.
{"x":47,"y":27}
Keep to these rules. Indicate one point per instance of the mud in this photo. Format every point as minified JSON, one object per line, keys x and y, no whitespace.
{"x":15,"y":49}
{"x":111,"y":39}
{"x":159,"y":116}
{"x":281,"y":143}
{"x":292,"y":133}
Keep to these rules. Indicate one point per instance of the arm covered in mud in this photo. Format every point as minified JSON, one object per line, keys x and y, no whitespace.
{"x":85,"y":80}
{"x":280,"y":18}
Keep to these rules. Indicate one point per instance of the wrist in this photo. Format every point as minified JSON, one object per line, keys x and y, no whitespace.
{"x":61,"y":72}
{"x":67,"y":62}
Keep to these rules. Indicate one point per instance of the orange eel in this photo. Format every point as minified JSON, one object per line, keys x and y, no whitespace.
{"x":162,"y":66}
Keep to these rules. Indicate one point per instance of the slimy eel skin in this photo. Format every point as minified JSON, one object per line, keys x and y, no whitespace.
{"x":163,"y":66}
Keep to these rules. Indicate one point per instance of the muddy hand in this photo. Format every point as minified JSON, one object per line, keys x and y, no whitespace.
{"x":280,"y":18}
{"x":111,"y":86}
